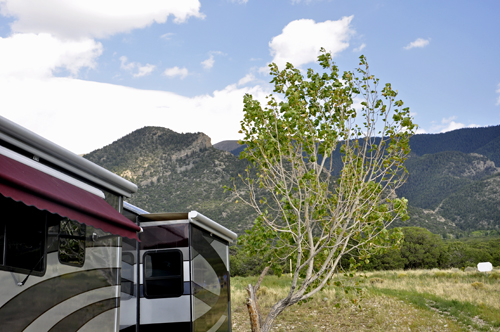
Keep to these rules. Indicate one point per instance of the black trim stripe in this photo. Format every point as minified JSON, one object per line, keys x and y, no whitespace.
{"x":82,"y":316}
{"x":187,"y":289}
{"x":174,"y":327}
{"x":27,"y":306}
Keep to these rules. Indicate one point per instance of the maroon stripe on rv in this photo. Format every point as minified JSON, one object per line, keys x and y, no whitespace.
{"x":45,"y":192}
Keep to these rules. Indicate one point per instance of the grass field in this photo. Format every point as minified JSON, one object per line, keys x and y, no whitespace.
{"x":422,"y":300}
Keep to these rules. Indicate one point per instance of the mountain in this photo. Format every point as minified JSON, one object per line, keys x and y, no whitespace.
{"x":452,"y":179}
{"x":177,"y":173}
{"x":453,"y":184}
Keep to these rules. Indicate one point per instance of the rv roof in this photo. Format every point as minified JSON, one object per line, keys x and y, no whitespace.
{"x":195,"y":218}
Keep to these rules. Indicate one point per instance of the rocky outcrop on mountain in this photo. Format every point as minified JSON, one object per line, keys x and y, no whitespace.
{"x":177,"y":173}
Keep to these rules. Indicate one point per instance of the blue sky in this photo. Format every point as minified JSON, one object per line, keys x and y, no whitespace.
{"x":85,"y":73}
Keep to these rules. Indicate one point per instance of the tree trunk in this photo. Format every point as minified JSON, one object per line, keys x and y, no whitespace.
{"x":253,"y":310}
{"x":253,"y":304}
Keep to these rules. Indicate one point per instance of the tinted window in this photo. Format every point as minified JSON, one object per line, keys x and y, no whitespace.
{"x":22,"y":237}
{"x":165,"y":236}
{"x":71,"y":243}
{"x":163,"y":274}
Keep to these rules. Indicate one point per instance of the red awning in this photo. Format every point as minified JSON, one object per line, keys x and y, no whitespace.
{"x":45,"y":192}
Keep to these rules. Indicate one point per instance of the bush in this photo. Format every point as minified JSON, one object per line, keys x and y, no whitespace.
{"x":477,"y":285}
{"x":421,"y":249}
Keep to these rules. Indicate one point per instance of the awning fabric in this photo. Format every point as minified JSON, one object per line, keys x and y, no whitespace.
{"x":45,"y":192}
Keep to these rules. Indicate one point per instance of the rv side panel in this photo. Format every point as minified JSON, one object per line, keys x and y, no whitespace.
{"x":74,"y":284}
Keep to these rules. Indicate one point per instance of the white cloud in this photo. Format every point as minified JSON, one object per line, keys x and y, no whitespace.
{"x":125,"y":65}
{"x":358,"y":49}
{"x":301,"y":40}
{"x":417,"y":43}
{"x":167,"y":36}
{"x":144,"y":70}
{"x":449,"y":124}
{"x":141,"y":70}
{"x":208,"y":63}
{"x":176,"y":71}
{"x":247,"y":79}
{"x":40,"y":55}
{"x":498,"y":91}
{"x":66,"y":110}
{"x":239,"y":1}
{"x":421,"y":131}
{"x":94,"y":18}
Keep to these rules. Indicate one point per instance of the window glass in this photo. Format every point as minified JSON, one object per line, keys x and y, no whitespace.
{"x":22,"y":237}
{"x":163,"y":274}
{"x":164,"y":237}
{"x":71,"y":243}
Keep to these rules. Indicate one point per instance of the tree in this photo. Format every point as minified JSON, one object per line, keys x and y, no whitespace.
{"x":421,"y":249}
{"x":309,"y":209}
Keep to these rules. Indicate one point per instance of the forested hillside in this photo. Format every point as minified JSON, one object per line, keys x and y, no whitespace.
{"x":453,"y":185}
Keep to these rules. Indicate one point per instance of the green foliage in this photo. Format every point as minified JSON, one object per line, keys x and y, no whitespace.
{"x":421,"y":249}
{"x":245,"y":265}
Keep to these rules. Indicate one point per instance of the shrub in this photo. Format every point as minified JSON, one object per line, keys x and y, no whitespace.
{"x":470,"y":269}
{"x":477,"y":285}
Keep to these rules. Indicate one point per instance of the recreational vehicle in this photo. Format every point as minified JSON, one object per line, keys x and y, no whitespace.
{"x":177,"y":277}
{"x":60,"y":237}
{"x":62,"y":268}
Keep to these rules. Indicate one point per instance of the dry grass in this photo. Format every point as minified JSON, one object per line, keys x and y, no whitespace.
{"x":377,"y":313}
{"x":470,"y":287}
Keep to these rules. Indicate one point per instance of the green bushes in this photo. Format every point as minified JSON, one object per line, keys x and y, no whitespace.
{"x":423,"y":250}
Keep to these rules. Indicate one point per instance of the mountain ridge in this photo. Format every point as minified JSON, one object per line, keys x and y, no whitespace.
{"x":180,"y":172}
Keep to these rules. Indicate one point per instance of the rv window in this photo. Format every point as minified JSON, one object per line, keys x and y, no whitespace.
{"x":71,"y":243}
{"x":22,"y":237}
{"x":163,"y":274}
